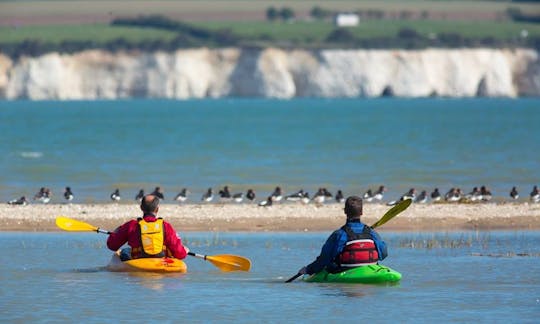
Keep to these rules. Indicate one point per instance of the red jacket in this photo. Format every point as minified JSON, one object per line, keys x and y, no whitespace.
{"x":131,"y":233}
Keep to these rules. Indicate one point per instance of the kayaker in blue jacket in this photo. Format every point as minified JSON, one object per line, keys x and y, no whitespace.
{"x":354,"y":244}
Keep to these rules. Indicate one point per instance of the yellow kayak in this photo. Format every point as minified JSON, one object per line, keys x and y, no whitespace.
{"x":146,"y":264}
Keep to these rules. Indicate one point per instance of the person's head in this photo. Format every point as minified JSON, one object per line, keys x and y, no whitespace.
{"x":150,"y":204}
{"x":353,"y":207}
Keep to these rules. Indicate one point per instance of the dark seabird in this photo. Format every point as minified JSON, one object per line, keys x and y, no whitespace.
{"x":21,"y":201}
{"x":368,"y":195}
{"x":250,"y":195}
{"x":535,"y":195}
{"x":140,"y":195}
{"x":225,"y":194}
{"x":158,"y":192}
{"x":277,"y":195}
{"x":486,"y":194}
{"x":379,"y":194}
{"x":238,"y":197}
{"x":68,"y":195}
{"x":266,"y":203}
{"x":339,"y":197}
{"x":422,"y":197}
{"x":208,"y":195}
{"x":514,"y":193}
{"x":297,"y":196}
{"x":182,"y":195}
{"x":436,"y":195}
{"x":115,"y":196}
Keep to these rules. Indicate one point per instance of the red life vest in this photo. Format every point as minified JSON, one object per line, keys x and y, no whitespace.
{"x":360,"y":249}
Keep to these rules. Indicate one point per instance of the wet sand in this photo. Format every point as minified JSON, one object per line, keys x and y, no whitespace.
{"x":283,"y":217}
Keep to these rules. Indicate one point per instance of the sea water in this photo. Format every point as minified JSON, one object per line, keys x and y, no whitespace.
{"x":468,"y":277}
{"x":349,"y":144}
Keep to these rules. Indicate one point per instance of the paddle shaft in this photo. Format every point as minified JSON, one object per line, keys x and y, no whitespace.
{"x":291,"y":279}
{"x":197,"y":255}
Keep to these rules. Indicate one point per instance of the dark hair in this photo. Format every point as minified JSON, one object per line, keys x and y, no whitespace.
{"x":149,"y":205}
{"x":353,"y":207}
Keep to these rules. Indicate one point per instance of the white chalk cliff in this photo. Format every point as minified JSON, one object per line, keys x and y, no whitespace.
{"x":272,"y":73}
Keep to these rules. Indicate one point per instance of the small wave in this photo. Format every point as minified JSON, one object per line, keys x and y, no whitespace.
{"x":31,"y":155}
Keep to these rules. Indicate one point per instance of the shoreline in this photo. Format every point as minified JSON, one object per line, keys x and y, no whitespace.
{"x":284,"y":217}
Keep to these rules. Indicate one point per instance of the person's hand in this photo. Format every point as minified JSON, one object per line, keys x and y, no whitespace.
{"x":186,"y":248}
{"x":303,"y":270}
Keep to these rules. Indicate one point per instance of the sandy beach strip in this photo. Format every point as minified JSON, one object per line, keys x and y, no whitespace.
{"x":282,"y":217}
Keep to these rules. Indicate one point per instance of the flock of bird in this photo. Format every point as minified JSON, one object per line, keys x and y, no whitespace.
{"x":322,"y":195}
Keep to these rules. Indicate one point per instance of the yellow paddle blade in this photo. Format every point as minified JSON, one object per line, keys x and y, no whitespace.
{"x":229,"y":262}
{"x":73,"y":225}
{"x":393,"y":212}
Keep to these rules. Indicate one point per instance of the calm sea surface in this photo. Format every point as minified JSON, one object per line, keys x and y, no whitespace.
{"x":470,"y":277}
{"x":352,"y":145}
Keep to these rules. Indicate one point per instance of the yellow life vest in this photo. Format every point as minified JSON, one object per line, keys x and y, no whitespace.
{"x":152,"y":237}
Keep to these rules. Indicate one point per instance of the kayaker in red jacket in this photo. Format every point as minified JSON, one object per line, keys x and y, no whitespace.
{"x":159,"y":237}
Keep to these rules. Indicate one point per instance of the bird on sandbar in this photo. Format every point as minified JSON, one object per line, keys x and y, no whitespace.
{"x":514,"y":193}
{"x":411,"y":194}
{"x":305,"y":200}
{"x":68,"y":195}
{"x":474,"y":195}
{"x":453,"y":195}
{"x":21,"y":201}
{"x":115,"y":196}
{"x":436,"y":195}
{"x":339,"y":197}
{"x":182,"y":195}
{"x":327,"y":194}
{"x":43,"y":195}
{"x":139,"y":195}
{"x":379,"y":194}
{"x":368,"y":196}
{"x":158,"y":192}
{"x":422,"y":198}
{"x":225,"y":194}
{"x":277,"y":195}
{"x":266,"y":203}
{"x":486,"y":194}
{"x":238,"y":197}
{"x":535,"y":195}
{"x":297,"y":196}
{"x":319,"y":197}
{"x":250,"y":195}
{"x":208,"y":195}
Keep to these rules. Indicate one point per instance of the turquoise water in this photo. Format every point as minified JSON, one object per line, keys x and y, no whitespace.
{"x":352,"y":145}
{"x":470,"y":277}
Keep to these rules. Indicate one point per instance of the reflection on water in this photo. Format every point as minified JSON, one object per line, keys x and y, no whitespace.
{"x":341,"y":290}
{"x":90,"y":270}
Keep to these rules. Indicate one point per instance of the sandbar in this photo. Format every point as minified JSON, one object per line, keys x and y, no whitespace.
{"x":285,"y":217}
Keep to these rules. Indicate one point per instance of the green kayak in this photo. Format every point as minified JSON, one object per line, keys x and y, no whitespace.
{"x":375,"y":273}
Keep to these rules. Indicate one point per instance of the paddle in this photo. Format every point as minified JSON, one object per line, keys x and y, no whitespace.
{"x":391,"y":213}
{"x":225,"y":262}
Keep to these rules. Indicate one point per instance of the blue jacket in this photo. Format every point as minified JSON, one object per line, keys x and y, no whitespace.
{"x":336,"y":243}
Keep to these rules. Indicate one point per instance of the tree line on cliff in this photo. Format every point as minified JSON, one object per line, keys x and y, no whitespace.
{"x":188,"y":36}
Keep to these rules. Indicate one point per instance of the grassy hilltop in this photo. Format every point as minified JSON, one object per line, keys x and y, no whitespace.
{"x":35,"y":27}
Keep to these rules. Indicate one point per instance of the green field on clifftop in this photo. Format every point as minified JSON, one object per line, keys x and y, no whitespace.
{"x":38,"y":26}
